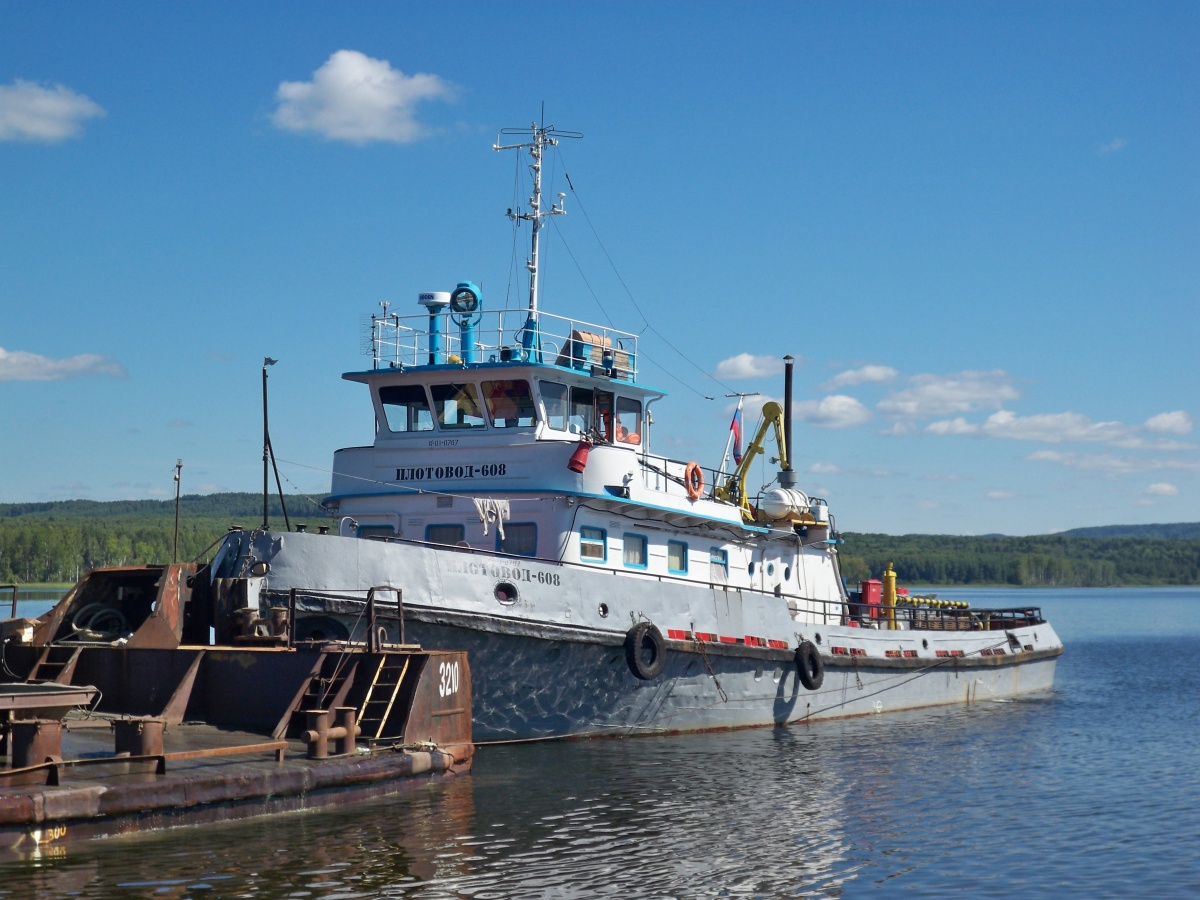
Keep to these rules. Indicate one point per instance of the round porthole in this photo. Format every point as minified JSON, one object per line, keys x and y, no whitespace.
{"x":260,"y":568}
{"x":603,"y":610}
{"x":770,"y":569}
{"x":506,"y":593}
{"x":751,"y":569}
{"x":787,"y":573}
{"x":925,"y":643}
{"x":817,"y":638}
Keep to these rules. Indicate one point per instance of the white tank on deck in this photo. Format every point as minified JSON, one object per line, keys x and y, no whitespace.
{"x":782,"y":504}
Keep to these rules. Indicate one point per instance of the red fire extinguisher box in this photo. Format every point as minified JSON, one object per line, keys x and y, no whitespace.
{"x":872,"y":595}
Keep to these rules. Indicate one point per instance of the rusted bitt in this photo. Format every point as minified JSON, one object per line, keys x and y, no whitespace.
{"x":33,"y":741}
{"x":320,"y":733}
{"x":347,"y":724}
{"x":142,"y":736}
{"x":317,"y":735}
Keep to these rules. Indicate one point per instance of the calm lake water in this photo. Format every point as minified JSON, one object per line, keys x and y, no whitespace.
{"x":1091,"y":791}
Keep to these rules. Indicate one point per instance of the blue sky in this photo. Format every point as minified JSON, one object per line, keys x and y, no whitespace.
{"x":976,"y":226}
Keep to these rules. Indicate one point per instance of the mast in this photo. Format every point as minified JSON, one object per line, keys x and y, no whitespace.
{"x":541,"y":136}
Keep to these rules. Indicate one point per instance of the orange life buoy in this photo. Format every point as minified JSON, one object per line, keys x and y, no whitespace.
{"x":693,"y":480}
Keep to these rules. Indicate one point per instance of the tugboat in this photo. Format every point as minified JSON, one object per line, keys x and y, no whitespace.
{"x":513,"y":497}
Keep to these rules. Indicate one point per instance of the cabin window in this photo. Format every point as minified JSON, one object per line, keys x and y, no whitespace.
{"x":593,"y":544}
{"x":718,"y":565}
{"x":582,"y":410}
{"x":406,"y":408}
{"x":509,"y":403}
{"x":457,"y":406}
{"x":445,"y":534}
{"x":554,"y":397}
{"x":634,"y":550}
{"x":520,"y":539}
{"x":378,"y":532}
{"x":677,"y":559}
{"x":629,"y":421}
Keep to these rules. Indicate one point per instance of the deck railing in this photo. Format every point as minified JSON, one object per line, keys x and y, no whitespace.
{"x":502,"y":335}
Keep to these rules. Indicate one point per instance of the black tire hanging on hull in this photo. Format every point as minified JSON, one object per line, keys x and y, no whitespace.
{"x":645,"y":651}
{"x":809,"y":666}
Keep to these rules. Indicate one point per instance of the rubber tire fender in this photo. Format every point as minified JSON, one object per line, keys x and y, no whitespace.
{"x":645,"y":651}
{"x":809,"y":666}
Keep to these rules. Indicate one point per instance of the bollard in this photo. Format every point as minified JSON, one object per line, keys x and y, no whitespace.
{"x":34,"y":741}
{"x":141,"y":736}
{"x":346,"y":724}
{"x":317,"y":736}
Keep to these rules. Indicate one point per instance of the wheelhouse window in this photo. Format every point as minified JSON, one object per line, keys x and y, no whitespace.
{"x":445,"y":534}
{"x":718,"y":564}
{"x":634,"y":550}
{"x":520,"y":539}
{"x":677,"y":557}
{"x":457,"y":406}
{"x":629,"y":421}
{"x":509,"y":403}
{"x":580,"y":416}
{"x":593,"y":544}
{"x":554,"y":398}
{"x":406,"y":408}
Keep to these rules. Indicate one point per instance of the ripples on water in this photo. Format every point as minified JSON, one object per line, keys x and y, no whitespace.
{"x":1091,"y":791}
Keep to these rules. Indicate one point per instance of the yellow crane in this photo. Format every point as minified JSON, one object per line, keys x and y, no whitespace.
{"x":734,"y":488}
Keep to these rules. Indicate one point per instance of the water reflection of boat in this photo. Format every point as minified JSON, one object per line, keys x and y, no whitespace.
{"x":514,"y":496}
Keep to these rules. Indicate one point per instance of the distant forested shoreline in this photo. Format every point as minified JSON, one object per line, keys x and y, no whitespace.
{"x":59,"y":541}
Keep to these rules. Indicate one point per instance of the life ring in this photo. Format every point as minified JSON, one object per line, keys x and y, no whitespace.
{"x":693,"y":480}
{"x":645,"y":651}
{"x":809,"y":666}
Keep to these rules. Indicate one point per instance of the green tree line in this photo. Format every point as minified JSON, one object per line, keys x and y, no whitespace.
{"x":1045,"y":560}
{"x":57,"y":542}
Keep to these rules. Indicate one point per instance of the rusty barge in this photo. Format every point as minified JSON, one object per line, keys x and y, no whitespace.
{"x":154,"y":696}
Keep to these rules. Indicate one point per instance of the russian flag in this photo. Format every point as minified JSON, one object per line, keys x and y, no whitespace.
{"x":736,"y":427}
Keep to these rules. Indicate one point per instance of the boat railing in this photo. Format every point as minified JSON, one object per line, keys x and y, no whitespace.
{"x":504,"y":335}
{"x":923,"y":618}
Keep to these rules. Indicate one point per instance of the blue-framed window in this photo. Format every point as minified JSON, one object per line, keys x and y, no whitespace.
{"x":718,"y":564}
{"x":593,"y":544}
{"x":677,"y":557}
{"x":520,"y":539}
{"x":634,"y":550}
{"x":445,"y":534}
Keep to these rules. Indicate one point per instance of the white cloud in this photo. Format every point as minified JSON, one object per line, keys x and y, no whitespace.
{"x":32,"y":112}
{"x":1051,"y":428}
{"x":355,"y":98}
{"x":943,"y":395}
{"x":1116,"y":145}
{"x":1000,"y":495}
{"x":834,"y":411}
{"x":864,"y":375}
{"x":1109,"y":464}
{"x":824,"y":469}
{"x":746,"y":365}
{"x":1162,"y":489}
{"x":17,"y":365}
{"x":1177,"y":422}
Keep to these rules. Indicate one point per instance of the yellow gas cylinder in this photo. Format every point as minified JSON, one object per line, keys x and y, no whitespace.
{"x":889,"y":596}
